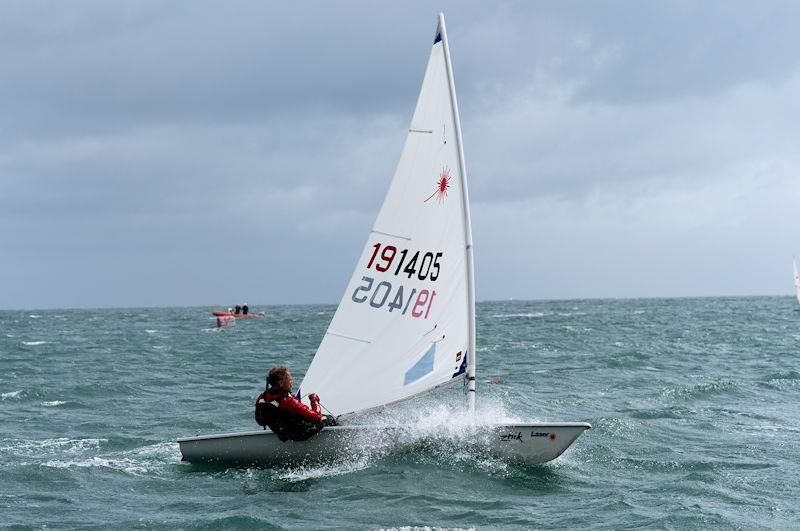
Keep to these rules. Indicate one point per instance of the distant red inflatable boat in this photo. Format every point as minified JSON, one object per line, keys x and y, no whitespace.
{"x":220,"y":313}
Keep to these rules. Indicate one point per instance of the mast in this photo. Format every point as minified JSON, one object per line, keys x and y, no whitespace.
{"x":467,"y":223}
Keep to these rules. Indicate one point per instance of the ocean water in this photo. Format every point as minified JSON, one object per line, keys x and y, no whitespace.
{"x":694,"y":404}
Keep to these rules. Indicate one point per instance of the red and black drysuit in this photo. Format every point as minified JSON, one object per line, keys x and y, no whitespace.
{"x":288,"y":417}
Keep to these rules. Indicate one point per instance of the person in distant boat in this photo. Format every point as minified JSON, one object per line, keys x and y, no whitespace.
{"x":245,"y":309}
{"x":284,"y":414}
{"x":237,"y":310}
{"x":230,"y":310}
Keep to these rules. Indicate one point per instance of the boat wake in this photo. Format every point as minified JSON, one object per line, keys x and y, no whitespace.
{"x":328,"y":470}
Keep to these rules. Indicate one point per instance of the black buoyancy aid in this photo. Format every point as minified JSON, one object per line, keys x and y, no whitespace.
{"x":268,"y":416}
{"x":286,"y":427}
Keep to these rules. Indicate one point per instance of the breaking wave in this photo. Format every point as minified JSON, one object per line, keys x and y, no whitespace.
{"x":48,"y":447}
{"x":141,"y":461}
{"x":532,"y":315}
{"x":512,"y":315}
{"x":716,"y":387}
{"x":66,"y":453}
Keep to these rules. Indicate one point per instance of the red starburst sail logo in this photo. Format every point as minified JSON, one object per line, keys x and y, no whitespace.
{"x":442,"y":184}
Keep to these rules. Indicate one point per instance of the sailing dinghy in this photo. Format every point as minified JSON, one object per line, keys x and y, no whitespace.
{"x":406,"y":323}
{"x":796,"y":280}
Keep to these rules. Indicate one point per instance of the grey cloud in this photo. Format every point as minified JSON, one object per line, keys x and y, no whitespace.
{"x":147,"y":149}
{"x":102,"y":70}
{"x":674,"y":50}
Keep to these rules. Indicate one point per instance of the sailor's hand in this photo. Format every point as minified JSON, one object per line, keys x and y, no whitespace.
{"x":330,"y":420}
{"x":313,"y":397}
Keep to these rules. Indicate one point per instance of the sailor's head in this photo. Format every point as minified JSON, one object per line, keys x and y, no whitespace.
{"x":280,"y":378}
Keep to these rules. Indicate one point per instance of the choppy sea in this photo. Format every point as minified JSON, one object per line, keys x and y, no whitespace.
{"x":694,"y":404}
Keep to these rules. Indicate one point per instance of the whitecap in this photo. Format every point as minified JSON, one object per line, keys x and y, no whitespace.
{"x":34,"y":316}
{"x":11,"y":394}
{"x":773,"y":428}
{"x":527,"y":315}
{"x":139,"y":461}
{"x":125,"y":465}
{"x":150,"y":331}
{"x":34,"y":343}
{"x":53,"y":403}
{"x":427,"y":528}
{"x":37,"y":447}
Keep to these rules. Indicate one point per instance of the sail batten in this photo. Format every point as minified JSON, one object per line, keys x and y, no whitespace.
{"x":391,"y":235}
{"x":414,"y":274}
{"x":337,"y":334}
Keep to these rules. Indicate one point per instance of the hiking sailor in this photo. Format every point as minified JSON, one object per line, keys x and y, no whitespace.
{"x":286,"y":415}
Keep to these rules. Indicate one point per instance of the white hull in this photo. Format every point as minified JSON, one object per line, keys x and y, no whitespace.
{"x":530,"y":444}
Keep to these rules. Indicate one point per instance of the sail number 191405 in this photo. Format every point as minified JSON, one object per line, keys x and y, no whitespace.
{"x":423,"y":267}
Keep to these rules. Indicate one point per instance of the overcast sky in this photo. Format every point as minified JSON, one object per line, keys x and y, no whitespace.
{"x":208,"y":153}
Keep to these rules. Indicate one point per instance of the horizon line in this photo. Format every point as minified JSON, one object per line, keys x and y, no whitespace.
{"x":481,"y":301}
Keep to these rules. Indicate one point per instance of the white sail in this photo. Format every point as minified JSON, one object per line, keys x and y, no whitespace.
{"x":405,"y":324}
{"x":796,"y":280}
